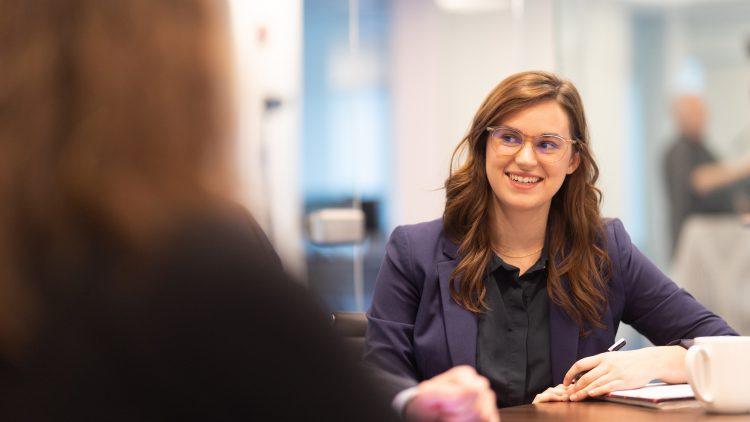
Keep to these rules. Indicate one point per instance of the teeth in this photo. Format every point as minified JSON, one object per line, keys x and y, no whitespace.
{"x":524,"y":179}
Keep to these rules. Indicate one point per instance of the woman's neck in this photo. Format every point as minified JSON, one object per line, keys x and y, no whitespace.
{"x":518,"y":232}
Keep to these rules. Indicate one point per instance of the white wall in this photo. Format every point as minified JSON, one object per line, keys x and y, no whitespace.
{"x":443,"y":66}
{"x":717,"y":35}
{"x":268,"y":37}
{"x":595,"y":56}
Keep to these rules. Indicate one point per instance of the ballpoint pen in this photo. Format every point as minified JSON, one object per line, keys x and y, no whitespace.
{"x":613,"y":348}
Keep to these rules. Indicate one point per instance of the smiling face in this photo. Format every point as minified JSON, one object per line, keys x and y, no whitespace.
{"x":522,"y":182}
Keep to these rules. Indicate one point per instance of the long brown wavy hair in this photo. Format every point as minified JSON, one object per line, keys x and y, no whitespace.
{"x":112,"y":124}
{"x":574,"y":227}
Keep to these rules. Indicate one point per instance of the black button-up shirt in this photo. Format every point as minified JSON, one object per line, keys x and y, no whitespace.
{"x":513,"y":349}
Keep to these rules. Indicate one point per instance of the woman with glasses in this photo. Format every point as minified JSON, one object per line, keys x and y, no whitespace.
{"x":522,"y":279}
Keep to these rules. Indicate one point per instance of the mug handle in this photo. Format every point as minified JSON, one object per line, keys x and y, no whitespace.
{"x":697,"y":372}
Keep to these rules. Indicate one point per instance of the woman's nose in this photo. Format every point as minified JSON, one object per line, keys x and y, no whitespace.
{"x":526,"y":157}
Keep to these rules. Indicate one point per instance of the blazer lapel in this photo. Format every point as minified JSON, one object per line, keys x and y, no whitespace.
{"x":460,"y":324}
{"x":563,"y":333}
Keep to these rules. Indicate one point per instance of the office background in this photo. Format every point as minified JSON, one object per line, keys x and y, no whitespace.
{"x":361,"y":102}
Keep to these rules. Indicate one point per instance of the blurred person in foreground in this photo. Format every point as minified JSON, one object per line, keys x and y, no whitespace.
{"x":697,"y":182}
{"x":522,"y":278}
{"x":131,"y":288}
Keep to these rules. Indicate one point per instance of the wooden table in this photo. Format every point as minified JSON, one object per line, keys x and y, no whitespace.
{"x":603,"y":411}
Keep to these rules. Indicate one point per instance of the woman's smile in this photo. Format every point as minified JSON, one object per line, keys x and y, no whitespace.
{"x":523,"y":181}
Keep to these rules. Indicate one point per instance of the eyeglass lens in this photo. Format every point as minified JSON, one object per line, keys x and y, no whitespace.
{"x":508,"y":142}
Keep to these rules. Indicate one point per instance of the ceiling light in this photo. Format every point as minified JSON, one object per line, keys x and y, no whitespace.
{"x":473,"y":6}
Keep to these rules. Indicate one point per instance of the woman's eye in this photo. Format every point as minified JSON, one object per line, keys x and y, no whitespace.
{"x":548,"y":145}
{"x":510,"y":139}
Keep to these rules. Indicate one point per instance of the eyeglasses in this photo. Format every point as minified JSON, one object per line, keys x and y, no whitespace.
{"x":549,"y":148}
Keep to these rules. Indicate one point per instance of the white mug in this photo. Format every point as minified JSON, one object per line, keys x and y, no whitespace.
{"x":718,"y":369}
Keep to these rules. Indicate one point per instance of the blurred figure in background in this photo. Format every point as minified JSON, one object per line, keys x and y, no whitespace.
{"x":131,"y":287}
{"x":697,"y":182}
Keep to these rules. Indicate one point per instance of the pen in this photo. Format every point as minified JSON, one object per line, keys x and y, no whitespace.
{"x":613,"y":348}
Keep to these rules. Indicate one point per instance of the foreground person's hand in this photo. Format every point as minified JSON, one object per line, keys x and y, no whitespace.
{"x":456,"y":395}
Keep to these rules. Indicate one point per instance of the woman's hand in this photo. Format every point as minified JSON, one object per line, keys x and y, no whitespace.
{"x":459,"y":394}
{"x":613,"y":371}
{"x":559,"y":393}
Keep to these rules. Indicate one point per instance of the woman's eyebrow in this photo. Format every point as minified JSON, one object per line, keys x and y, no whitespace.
{"x":510,"y":127}
{"x":542,"y":134}
{"x":551,"y":134}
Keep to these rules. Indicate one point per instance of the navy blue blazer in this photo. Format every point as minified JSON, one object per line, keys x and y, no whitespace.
{"x":416,"y":330}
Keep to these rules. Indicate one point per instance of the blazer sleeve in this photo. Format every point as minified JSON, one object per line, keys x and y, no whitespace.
{"x":390,"y":327}
{"x":654,"y":304}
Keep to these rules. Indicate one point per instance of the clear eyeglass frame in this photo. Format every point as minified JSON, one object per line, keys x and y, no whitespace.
{"x":552,"y":157}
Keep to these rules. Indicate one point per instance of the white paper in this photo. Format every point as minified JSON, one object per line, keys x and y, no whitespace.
{"x":657,"y":391}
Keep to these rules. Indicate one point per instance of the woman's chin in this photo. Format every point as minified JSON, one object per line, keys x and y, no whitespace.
{"x":526,"y":204}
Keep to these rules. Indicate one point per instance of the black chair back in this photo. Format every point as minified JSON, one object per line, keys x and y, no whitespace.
{"x":351,"y":326}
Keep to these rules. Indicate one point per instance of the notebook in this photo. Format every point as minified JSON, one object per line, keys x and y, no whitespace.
{"x":656,"y":395}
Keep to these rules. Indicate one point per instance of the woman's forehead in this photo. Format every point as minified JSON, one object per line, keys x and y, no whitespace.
{"x":543,"y":117}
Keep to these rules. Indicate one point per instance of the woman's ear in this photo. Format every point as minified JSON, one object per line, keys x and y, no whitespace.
{"x":575,"y":160}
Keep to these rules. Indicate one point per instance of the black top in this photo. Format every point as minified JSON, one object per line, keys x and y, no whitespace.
{"x":513,"y":349}
{"x":684,"y":156}
{"x":206,"y":328}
